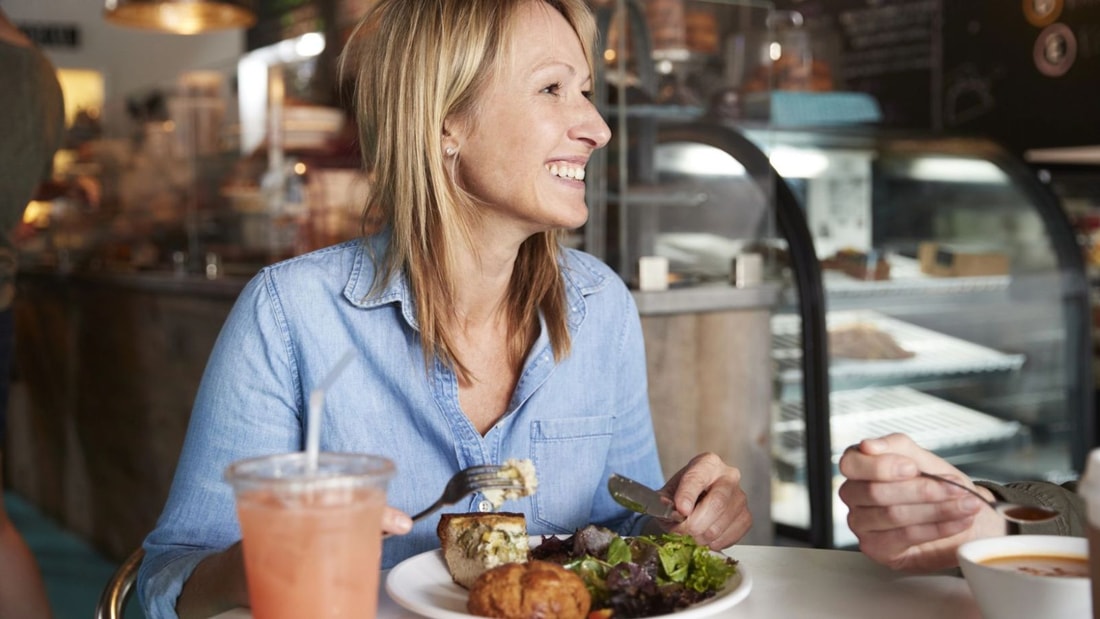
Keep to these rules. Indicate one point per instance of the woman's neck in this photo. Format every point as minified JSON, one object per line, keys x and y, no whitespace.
{"x":483,"y":278}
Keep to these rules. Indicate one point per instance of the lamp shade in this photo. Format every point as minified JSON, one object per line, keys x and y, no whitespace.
{"x":181,"y":16}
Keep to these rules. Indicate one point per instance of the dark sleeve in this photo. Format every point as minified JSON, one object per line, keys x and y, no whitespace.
{"x":1063,"y":498}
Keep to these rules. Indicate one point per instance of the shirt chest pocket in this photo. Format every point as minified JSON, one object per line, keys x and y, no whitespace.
{"x":570,"y":456}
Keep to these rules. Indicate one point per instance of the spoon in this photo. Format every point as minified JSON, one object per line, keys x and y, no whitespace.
{"x":1014,"y":512}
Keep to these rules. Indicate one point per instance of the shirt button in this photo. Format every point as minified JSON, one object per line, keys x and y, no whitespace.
{"x":485,"y":506}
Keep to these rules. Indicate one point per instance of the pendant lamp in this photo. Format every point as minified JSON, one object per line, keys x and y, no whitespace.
{"x":181,"y":16}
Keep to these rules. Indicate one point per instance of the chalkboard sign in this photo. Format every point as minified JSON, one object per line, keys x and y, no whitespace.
{"x":888,"y":49}
{"x":1023,"y":73}
{"x":51,"y":35}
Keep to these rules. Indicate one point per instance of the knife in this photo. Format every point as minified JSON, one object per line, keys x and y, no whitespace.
{"x":642,"y":499}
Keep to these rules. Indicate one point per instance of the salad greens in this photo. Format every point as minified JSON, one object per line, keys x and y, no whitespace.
{"x":639,"y":576}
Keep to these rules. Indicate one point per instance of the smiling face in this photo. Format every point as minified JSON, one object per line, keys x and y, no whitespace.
{"x":523,"y":149}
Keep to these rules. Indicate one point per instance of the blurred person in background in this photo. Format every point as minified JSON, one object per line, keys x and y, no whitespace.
{"x":908,"y":522}
{"x":32,"y":124}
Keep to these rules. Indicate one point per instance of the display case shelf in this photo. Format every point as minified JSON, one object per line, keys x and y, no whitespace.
{"x":661,"y":112}
{"x":906,"y":278}
{"x":934,"y":354}
{"x":943,"y":427}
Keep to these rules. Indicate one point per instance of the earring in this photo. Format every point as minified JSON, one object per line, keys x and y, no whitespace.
{"x":450,"y":151}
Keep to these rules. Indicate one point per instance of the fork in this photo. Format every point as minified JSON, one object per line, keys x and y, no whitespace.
{"x":468,"y":481}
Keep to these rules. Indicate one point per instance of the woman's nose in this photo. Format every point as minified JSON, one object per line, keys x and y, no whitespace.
{"x":592,"y":128}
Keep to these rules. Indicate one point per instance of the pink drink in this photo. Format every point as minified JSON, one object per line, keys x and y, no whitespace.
{"x":312,"y":547}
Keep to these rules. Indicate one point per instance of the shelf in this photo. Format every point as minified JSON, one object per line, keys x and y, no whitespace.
{"x":906,"y":278}
{"x":840,"y":285}
{"x":935,"y":353}
{"x":659,"y":111}
{"x":706,"y":298}
{"x":940,"y":426}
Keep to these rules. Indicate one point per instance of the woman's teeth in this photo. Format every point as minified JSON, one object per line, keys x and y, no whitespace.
{"x":566,"y":171}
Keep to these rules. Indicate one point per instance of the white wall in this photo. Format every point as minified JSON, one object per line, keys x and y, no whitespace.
{"x":130,"y":60}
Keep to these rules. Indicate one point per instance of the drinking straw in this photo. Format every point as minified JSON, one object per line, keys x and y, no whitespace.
{"x":313,"y":413}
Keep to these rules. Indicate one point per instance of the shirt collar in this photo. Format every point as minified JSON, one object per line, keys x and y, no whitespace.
{"x":581,"y":280}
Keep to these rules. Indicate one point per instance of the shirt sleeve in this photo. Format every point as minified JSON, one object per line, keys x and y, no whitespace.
{"x":1062,"y":498}
{"x":247,"y":405}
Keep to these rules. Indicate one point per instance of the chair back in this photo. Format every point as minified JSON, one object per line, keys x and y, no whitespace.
{"x":113,"y":599}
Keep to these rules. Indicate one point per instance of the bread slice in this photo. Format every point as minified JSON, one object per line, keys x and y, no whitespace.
{"x":476,"y":542}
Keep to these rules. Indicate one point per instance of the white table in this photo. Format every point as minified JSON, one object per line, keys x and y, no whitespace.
{"x":801,"y":582}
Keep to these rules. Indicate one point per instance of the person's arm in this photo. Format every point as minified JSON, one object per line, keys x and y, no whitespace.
{"x":217,"y":584}
{"x":247,"y":405}
{"x":22,"y":592}
{"x":905,"y":521}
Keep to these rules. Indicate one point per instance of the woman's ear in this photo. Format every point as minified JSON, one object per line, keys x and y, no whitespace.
{"x":450,"y":142}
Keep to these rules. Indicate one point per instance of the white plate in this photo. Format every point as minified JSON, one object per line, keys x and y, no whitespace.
{"x":423,"y":585}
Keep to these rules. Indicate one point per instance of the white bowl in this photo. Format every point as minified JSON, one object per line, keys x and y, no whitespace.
{"x":1007,"y":594}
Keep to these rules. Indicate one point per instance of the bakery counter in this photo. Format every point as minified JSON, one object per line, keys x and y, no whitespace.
{"x":108,"y":365}
{"x":106,"y":370}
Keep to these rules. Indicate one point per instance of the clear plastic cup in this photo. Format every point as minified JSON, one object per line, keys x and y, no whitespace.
{"x":1089,"y":489}
{"x":312,"y":539}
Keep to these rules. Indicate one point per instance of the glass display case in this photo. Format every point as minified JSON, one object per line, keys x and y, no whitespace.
{"x":658,"y":189}
{"x":954,"y":307}
{"x":687,"y":224}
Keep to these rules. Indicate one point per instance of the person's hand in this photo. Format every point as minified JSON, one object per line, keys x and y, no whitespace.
{"x":217,"y":584}
{"x":708,"y":493}
{"x":905,"y":521}
{"x":395,"y":522}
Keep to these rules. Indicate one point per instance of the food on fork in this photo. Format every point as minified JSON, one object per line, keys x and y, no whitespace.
{"x":522,"y":470}
{"x":532,"y":590}
{"x":476,"y":542}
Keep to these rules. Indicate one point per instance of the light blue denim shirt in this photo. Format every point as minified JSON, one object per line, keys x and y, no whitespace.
{"x":578,"y":420}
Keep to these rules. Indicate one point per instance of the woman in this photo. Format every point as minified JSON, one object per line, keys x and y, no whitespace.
{"x":477,"y":337}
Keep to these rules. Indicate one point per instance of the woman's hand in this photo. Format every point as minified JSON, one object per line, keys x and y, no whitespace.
{"x":708,"y":493}
{"x":395,"y":522}
{"x":216,"y":585}
{"x":905,"y":521}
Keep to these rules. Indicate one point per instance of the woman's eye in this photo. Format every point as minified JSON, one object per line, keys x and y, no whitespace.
{"x":587,"y":94}
{"x":552,"y":89}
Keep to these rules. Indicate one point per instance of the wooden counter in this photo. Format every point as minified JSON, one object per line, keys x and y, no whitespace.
{"x":708,"y":354}
{"x":108,"y":366}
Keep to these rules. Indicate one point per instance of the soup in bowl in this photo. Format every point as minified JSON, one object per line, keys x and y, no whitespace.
{"x":1028,"y":576}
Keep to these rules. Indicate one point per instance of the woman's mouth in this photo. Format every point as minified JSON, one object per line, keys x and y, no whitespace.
{"x":566,"y":170}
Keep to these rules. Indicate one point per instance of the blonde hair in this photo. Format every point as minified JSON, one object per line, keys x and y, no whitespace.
{"x":417,"y":63}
